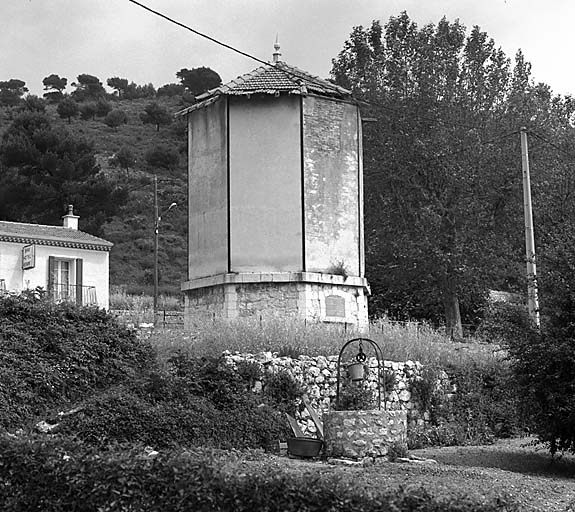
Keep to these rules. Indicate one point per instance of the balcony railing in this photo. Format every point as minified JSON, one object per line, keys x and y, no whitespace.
{"x":82,"y":295}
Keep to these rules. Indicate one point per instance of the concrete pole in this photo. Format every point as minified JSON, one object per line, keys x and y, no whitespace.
{"x":532,"y":298}
{"x":156,"y":229}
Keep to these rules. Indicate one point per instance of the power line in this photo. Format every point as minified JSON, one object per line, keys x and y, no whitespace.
{"x":311,"y":78}
{"x":271,"y":65}
{"x":552,"y":144}
{"x":227,"y":46}
{"x":197,"y":32}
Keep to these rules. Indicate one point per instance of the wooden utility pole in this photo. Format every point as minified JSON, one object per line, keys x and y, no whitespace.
{"x":532,"y":298}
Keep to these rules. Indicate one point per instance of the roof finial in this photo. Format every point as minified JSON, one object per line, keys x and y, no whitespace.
{"x":277,"y":54}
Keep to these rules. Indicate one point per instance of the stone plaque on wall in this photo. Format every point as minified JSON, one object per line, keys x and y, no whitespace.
{"x":335,"y":306}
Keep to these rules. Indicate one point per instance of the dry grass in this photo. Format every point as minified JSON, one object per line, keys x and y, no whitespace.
{"x":398,"y":341}
{"x":139,"y":309}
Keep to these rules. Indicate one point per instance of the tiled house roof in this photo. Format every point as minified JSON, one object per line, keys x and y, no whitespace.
{"x":276,"y":78}
{"x":59,"y":236}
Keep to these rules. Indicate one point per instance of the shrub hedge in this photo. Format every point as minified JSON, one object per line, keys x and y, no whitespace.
{"x":195,"y":402}
{"x":54,"y":354}
{"x":485,"y":406}
{"x":544,"y":367}
{"x":54,"y":475}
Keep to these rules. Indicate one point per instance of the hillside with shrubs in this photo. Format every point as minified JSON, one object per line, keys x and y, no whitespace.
{"x":100,"y":151}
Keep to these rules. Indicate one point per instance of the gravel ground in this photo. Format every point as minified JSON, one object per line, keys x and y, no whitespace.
{"x":527,"y":471}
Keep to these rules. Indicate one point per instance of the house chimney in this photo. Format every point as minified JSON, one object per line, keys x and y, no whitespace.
{"x":71,"y":220}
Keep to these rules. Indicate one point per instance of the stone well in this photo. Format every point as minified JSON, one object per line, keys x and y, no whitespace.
{"x":357,"y":434}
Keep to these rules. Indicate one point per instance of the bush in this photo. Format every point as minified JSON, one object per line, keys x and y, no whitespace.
{"x":53,"y":354}
{"x":116,"y":118}
{"x":544,"y":368}
{"x":194,"y":402}
{"x":53,"y":475}
{"x":544,"y":361}
{"x":282,"y":391}
{"x":354,"y":397}
{"x":504,"y":322}
{"x":67,"y":109}
{"x":162,"y":156}
{"x":483,"y":406}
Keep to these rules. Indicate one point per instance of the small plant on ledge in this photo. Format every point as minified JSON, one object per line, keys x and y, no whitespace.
{"x":338,"y":269}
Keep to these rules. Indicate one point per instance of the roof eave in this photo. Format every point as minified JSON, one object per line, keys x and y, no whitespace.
{"x":22,"y":239}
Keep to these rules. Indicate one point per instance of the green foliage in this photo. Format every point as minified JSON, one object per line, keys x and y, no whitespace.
{"x":544,"y":368}
{"x":452,"y":202}
{"x":124,"y":158}
{"x":444,"y":433}
{"x":192,"y":402}
{"x":156,"y":115}
{"x":355,"y":397}
{"x":426,"y":389}
{"x":396,"y":451}
{"x":135,"y":91}
{"x":34,"y":104}
{"x":338,"y":268}
{"x":387,"y":379}
{"x":116,"y":118}
{"x":249,"y":372}
{"x":54,"y":85}
{"x":119,"y":84}
{"x":67,"y":109}
{"x":283,"y":391}
{"x":11,"y":92}
{"x":480,"y":405}
{"x":72,"y":476}
{"x":198,"y":80}
{"x":484,"y":406}
{"x":53,"y":354}
{"x":162,"y":156}
{"x":503,"y":322}
{"x":88,"y":111}
{"x":171,"y":90}
{"x":544,"y":361}
{"x":46,"y":169}
{"x":102,"y":108}
{"x":88,"y":87}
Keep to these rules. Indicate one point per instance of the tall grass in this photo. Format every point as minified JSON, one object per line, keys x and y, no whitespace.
{"x":139,"y":309}
{"x":288,"y":336}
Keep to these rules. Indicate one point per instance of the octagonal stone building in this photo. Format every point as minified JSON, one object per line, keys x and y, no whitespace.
{"x":275,"y":200}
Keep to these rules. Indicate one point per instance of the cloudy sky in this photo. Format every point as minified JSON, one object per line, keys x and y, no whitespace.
{"x":109,"y":38}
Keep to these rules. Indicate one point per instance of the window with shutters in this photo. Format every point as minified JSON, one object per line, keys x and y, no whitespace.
{"x":65,"y":279}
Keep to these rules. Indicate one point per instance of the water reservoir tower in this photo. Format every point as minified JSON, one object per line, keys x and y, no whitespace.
{"x":275,"y":200}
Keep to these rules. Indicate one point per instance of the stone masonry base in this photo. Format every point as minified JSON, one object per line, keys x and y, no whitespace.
{"x":306,"y":295}
{"x":357,"y":434}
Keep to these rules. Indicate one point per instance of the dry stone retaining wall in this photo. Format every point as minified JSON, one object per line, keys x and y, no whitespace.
{"x":318,"y":375}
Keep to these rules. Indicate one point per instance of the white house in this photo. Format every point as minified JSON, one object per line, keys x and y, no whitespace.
{"x":70,"y":264}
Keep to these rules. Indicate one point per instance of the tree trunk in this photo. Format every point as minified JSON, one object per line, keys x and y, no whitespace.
{"x":451,"y":307}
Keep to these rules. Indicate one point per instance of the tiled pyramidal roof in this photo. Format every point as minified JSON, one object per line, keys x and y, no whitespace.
{"x":59,"y":236}
{"x":275,"y":78}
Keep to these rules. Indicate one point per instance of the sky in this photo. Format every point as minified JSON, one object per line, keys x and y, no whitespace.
{"x":108,"y":38}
